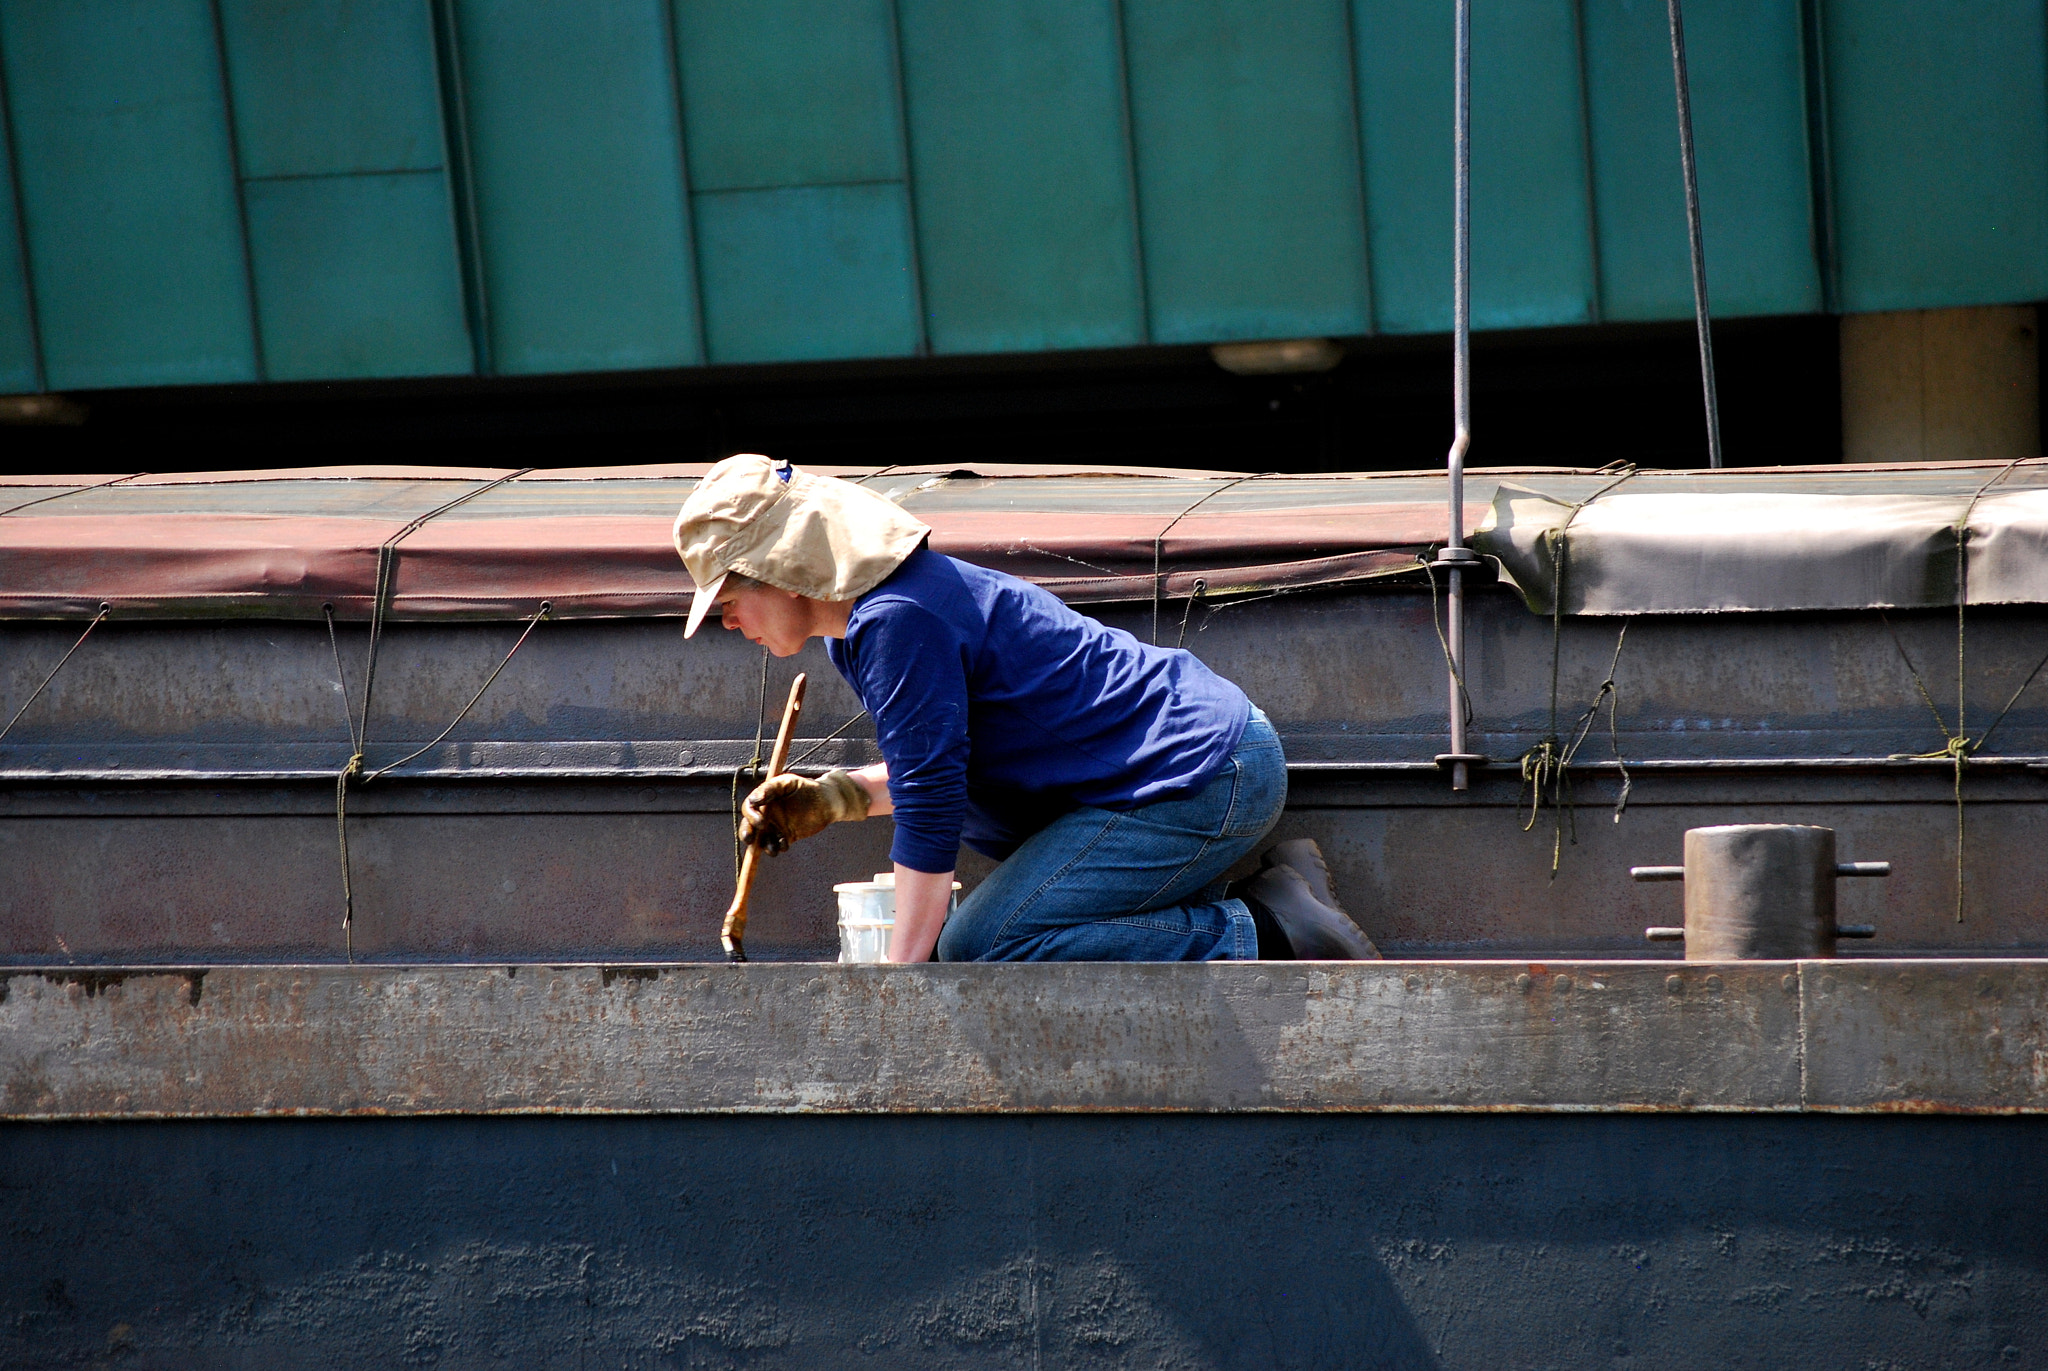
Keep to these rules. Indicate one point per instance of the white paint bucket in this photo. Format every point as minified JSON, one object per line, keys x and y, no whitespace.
{"x":867,"y":913}
{"x":867,"y":916}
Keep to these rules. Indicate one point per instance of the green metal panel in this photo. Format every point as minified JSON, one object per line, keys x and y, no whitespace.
{"x":1938,"y":125}
{"x":1532,"y":259}
{"x":356,"y":276}
{"x":128,"y":191}
{"x":1247,"y":152}
{"x":807,"y":272}
{"x":1745,"y":63}
{"x":789,"y":92}
{"x":578,"y":168}
{"x":332,"y":85}
{"x":1022,"y":174}
{"x":17,"y":336}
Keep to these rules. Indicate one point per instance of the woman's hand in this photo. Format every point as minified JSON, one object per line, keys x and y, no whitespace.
{"x":784,"y":809}
{"x":922,"y":898}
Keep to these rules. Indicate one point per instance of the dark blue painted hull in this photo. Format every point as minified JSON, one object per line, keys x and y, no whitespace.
{"x":1356,"y":1241}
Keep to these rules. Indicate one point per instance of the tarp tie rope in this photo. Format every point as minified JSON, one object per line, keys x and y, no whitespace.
{"x":1544,"y":766}
{"x":1159,"y":542}
{"x":67,"y":494}
{"x":359,"y":733}
{"x":97,"y":620}
{"x":1957,"y":746}
{"x":531,"y":625}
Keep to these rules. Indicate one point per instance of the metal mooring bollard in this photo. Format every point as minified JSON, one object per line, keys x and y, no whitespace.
{"x":1759,"y":892}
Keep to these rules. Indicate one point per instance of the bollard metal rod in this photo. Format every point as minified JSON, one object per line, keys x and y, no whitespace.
{"x":1863,"y":869}
{"x":1664,"y":935}
{"x":1657,"y":873}
{"x":1455,"y":557}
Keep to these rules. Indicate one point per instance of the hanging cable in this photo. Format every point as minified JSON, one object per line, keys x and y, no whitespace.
{"x":1464,"y":696}
{"x":359,"y":730}
{"x":1543,"y":766}
{"x":531,"y":625}
{"x":1957,"y":746}
{"x":750,"y":768}
{"x":1546,"y":768}
{"x":1694,"y":238}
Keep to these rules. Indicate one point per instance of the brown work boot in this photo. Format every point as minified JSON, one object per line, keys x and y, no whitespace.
{"x":1306,"y":858}
{"x":1315,"y":931}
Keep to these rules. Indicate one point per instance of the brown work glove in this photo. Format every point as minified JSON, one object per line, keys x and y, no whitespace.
{"x":785,"y":808}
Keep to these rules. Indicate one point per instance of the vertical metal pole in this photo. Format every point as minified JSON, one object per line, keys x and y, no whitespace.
{"x":1455,"y":556}
{"x":1692,"y":226}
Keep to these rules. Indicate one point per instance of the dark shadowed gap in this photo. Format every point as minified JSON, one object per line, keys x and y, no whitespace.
{"x":1581,"y":397}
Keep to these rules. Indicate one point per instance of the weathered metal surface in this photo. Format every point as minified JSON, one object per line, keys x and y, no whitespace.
{"x":600,"y":871}
{"x":148,"y":810}
{"x":973,"y":1039}
{"x":1759,"y":891}
{"x":1358,"y":682}
{"x":1925,"y":1036}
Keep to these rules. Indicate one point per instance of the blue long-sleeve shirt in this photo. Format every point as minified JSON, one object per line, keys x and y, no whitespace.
{"x":998,"y":709}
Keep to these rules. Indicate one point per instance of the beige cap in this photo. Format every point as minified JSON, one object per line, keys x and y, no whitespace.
{"x":817,"y":536}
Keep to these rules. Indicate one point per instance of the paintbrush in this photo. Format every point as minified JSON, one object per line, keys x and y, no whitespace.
{"x":734,"y":934}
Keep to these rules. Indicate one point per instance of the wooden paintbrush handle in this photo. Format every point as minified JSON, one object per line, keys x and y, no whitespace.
{"x":734,"y":933}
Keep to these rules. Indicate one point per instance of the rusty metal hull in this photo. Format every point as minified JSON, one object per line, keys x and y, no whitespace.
{"x":1962,"y":1037}
{"x":171,"y":797}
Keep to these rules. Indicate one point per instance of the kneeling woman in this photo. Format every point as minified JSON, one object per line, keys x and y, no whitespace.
{"x":1114,"y":781}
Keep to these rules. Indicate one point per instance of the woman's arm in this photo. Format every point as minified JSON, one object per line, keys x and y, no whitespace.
{"x":922,"y":897}
{"x":875,"y":781}
{"x":921,"y":901}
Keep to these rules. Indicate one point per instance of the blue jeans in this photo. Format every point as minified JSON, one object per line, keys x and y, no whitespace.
{"x":1133,"y":885}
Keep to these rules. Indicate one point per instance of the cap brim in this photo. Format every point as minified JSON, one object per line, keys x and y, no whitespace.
{"x":700,"y":604}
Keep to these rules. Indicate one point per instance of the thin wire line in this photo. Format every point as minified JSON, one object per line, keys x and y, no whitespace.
{"x":791,"y":764}
{"x":341,"y":680}
{"x":65,"y":494}
{"x":97,"y":619}
{"x":1159,"y":542}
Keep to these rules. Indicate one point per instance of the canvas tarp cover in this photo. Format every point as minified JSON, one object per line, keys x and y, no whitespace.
{"x":1773,"y":539}
{"x":595,"y":541}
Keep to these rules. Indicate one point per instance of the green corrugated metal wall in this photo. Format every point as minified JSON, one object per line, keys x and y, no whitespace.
{"x":233,"y":190}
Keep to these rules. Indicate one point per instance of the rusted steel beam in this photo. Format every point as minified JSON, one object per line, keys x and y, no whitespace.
{"x":1926,"y":1036}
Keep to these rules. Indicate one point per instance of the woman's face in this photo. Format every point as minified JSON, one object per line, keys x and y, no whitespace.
{"x":779,"y":620}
